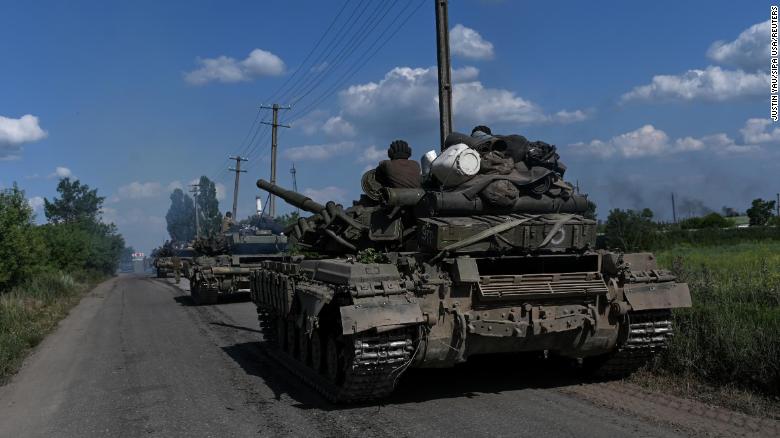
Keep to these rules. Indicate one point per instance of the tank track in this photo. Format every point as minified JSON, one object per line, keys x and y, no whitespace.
{"x":374,"y":368}
{"x":648,"y":334}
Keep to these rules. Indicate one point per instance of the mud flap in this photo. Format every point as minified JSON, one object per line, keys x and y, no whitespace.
{"x":382,"y":314}
{"x":649,"y":296}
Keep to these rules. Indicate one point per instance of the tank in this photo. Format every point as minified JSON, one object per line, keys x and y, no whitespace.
{"x":163,"y":260}
{"x":503,"y":262}
{"x":225,"y":263}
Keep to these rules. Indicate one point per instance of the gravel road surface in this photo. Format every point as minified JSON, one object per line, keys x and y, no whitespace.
{"x":136,"y":358}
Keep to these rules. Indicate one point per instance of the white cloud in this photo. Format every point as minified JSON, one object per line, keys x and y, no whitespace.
{"x":755,"y":131}
{"x":710,"y":84}
{"x":221,"y":191}
{"x":15,"y":132}
{"x":372,"y":154}
{"x":61,"y":172}
{"x":36,"y":203}
{"x":173,"y":185}
{"x":468,"y":43}
{"x":648,"y":141}
{"x":338,"y":127}
{"x":325,"y":194}
{"x":750,"y":51}
{"x":318,"y":151}
{"x":564,"y":116}
{"x":140,"y":190}
{"x":227,"y":69}
{"x":405,"y":102}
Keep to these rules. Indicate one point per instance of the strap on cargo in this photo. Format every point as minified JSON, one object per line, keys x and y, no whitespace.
{"x":555,"y":229}
{"x":492,"y":231}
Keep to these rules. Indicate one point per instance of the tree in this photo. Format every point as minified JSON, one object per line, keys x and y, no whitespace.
{"x":208,"y":208}
{"x":181,"y":217}
{"x":712,"y":220}
{"x":630,"y":230}
{"x":760,"y":211}
{"x":21,"y":250}
{"x":76,"y":203}
{"x":288,"y":219}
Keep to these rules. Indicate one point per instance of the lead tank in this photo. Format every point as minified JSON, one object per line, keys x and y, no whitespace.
{"x":504,"y":261}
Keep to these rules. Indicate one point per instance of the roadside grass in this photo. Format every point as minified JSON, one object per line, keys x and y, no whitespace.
{"x":729,"y":341}
{"x":31,"y":310}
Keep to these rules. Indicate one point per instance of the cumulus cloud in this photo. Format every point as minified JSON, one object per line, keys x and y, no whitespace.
{"x":318,"y":151}
{"x":649,"y":141}
{"x":710,"y":84}
{"x":140,"y":190}
{"x":325,"y":194}
{"x":755,"y":131}
{"x":338,"y":127}
{"x":15,"y":132}
{"x":61,"y":172}
{"x":750,"y":51}
{"x":227,"y":69}
{"x":405,"y":101}
{"x":372,"y":154}
{"x":468,"y":43}
{"x":36,"y":203}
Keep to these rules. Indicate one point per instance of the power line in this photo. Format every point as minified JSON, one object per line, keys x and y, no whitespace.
{"x":361,"y":61}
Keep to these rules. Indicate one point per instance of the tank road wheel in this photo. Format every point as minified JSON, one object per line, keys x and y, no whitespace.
{"x":316,"y":351}
{"x":292,"y":338}
{"x":281,"y":333}
{"x":333,"y":361}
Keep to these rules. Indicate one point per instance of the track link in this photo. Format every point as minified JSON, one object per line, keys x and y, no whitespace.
{"x":373,"y":363}
{"x":648,"y":334}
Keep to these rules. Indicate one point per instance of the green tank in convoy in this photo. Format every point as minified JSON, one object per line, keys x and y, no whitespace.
{"x":492,"y":254}
{"x":225,"y":263}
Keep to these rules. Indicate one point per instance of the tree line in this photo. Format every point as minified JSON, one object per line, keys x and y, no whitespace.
{"x":636,"y":230}
{"x":74,"y":239}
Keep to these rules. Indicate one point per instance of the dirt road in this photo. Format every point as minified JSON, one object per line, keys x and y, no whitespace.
{"x":136,"y":358}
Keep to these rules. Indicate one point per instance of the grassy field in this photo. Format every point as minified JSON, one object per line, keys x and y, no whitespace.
{"x":730,"y":339}
{"x":31,"y":310}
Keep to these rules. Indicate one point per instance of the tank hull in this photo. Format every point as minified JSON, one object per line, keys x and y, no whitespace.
{"x":587,"y":306}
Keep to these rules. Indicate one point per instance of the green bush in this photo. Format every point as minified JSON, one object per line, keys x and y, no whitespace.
{"x":29,"y":311}
{"x":731,"y":335}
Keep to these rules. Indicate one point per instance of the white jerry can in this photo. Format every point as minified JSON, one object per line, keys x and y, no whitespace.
{"x":457,"y":164}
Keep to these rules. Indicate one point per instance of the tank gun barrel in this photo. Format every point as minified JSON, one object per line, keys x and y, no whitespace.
{"x":293,"y":198}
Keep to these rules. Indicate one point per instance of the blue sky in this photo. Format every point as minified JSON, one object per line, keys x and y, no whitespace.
{"x":135,"y":98}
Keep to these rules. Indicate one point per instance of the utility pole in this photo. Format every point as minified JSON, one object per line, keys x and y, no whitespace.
{"x":275,"y":124}
{"x":238,"y":171}
{"x":674,"y":210}
{"x":778,"y":204}
{"x":443,"y":58}
{"x":295,"y":182}
{"x":195,"y":190}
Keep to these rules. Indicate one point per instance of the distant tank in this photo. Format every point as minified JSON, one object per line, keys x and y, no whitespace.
{"x":503,"y":261}
{"x":226,"y":262}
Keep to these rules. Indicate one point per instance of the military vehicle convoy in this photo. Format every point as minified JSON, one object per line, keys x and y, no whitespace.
{"x":493,"y":254}
{"x":226,"y":262}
